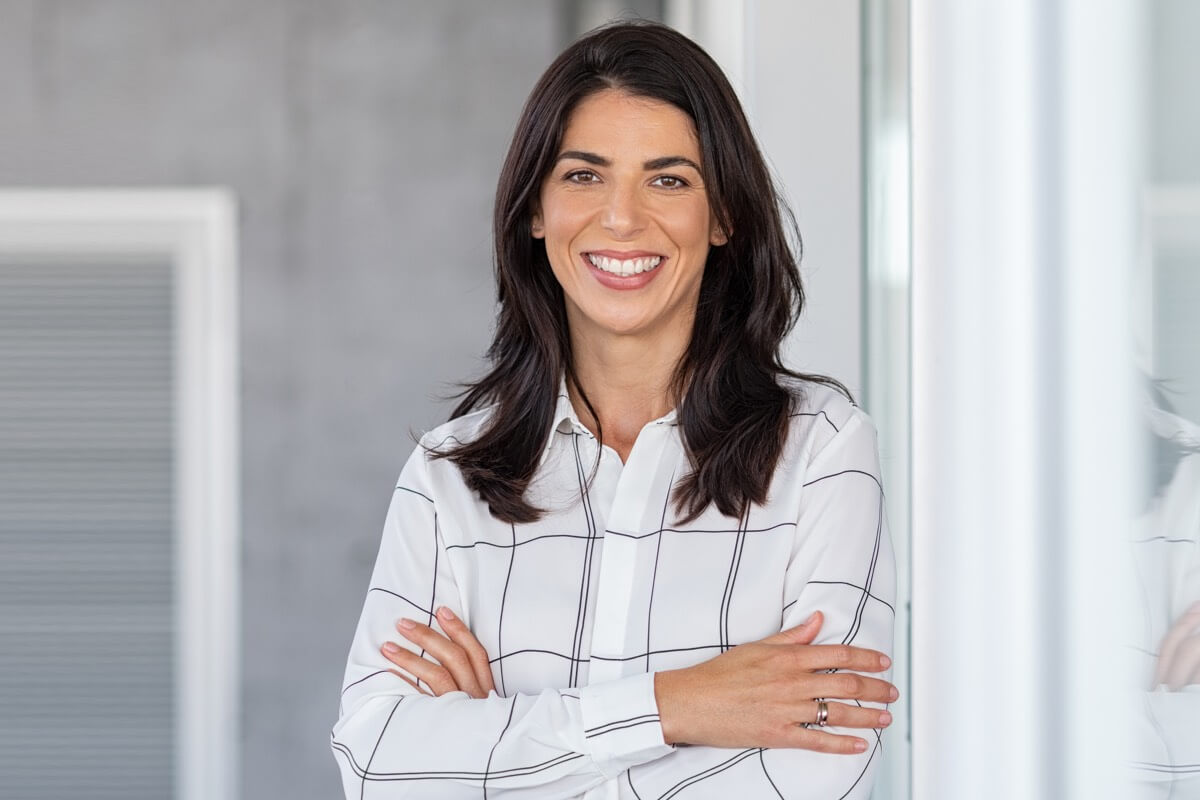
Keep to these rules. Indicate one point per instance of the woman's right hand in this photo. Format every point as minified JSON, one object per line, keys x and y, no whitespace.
{"x":761,"y":693}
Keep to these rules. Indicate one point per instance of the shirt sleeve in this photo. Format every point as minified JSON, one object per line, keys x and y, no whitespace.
{"x":841,"y":564}
{"x":400,"y":743}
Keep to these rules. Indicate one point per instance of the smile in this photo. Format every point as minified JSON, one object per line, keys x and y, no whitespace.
{"x":628,"y":266}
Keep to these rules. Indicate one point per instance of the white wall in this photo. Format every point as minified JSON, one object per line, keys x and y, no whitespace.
{"x":797,"y":68}
{"x":803,"y":90}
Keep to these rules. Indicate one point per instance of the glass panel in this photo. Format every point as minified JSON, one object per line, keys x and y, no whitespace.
{"x":1166,"y":536}
{"x":886,"y":321}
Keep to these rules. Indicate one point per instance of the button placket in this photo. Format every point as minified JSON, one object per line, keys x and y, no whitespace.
{"x":650,"y":467}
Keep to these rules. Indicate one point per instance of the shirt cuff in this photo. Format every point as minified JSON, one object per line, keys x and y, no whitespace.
{"x":621,"y":723}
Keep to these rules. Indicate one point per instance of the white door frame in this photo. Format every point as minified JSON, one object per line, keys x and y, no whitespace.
{"x":195,"y":231}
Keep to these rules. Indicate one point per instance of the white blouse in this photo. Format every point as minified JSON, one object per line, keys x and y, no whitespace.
{"x":579,"y":609}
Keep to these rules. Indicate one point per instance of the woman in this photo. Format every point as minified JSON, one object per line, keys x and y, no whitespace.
{"x":658,"y":559}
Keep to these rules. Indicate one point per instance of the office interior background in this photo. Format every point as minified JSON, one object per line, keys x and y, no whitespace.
{"x":230,"y":234}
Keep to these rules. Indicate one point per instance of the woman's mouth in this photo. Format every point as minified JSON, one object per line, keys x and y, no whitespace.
{"x":623,"y":267}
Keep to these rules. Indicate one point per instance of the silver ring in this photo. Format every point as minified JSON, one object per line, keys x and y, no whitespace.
{"x":822,"y":713}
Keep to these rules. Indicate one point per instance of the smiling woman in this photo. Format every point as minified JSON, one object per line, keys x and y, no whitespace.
{"x":658,"y":558}
{"x":627,"y":226}
{"x":641,"y":194}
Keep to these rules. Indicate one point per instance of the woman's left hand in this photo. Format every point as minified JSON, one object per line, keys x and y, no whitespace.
{"x":462,"y":663}
{"x":1179,"y":653}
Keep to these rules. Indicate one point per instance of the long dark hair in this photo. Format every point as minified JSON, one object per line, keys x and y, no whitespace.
{"x":734,"y":398}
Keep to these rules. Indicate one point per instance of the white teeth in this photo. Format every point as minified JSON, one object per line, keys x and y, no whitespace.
{"x":629,"y":266}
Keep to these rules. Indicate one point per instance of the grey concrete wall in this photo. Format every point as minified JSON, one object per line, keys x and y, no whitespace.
{"x":362,"y":140}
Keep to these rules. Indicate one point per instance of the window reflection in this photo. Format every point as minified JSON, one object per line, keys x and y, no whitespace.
{"x":1165,"y":539}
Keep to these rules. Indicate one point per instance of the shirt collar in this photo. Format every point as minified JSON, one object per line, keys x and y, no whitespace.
{"x":567,"y":421}
{"x":565,"y":418}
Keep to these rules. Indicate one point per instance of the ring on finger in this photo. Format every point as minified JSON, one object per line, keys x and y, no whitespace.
{"x":822,"y":712}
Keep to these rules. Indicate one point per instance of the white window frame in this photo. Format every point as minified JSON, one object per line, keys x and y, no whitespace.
{"x":1024,"y":410}
{"x":195,"y":231}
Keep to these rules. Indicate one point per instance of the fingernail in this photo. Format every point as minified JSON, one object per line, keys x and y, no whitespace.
{"x":894,"y":694}
{"x":811,"y":618}
{"x":406,"y":624}
{"x":445,"y":613}
{"x":885,"y":718}
{"x":859,"y":745}
{"x":885,"y":662}
{"x":388,"y":647}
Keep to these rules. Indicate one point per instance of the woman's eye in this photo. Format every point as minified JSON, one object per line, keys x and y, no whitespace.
{"x":581,"y":176}
{"x":670,"y":182}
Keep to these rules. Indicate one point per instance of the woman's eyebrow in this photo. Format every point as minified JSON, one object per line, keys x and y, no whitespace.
{"x":662,"y":162}
{"x":583,"y":155}
{"x":670,"y":161}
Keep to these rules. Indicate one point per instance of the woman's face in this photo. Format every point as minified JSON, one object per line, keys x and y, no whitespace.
{"x":626,"y":217}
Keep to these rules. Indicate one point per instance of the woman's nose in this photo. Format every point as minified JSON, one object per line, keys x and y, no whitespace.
{"x":623,"y":215}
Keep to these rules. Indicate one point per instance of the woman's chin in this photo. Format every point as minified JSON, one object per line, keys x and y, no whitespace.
{"x":625,"y":324}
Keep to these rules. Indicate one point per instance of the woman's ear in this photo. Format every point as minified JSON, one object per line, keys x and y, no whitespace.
{"x":717,"y":236}
{"x":535,"y":226}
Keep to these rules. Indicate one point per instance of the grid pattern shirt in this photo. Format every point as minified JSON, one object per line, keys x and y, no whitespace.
{"x":578,"y":610}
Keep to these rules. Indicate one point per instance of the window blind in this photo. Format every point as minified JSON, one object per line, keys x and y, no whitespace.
{"x":86,"y":540}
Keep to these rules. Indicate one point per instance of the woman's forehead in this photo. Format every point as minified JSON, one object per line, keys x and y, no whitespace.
{"x":618,"y":125}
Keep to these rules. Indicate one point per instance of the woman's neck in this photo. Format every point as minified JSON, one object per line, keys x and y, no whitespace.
{"x":627,"y":379}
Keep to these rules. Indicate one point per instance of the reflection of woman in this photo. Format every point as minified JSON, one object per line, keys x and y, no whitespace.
{"x":649,"y":532}
{"x":1166,"y":559}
